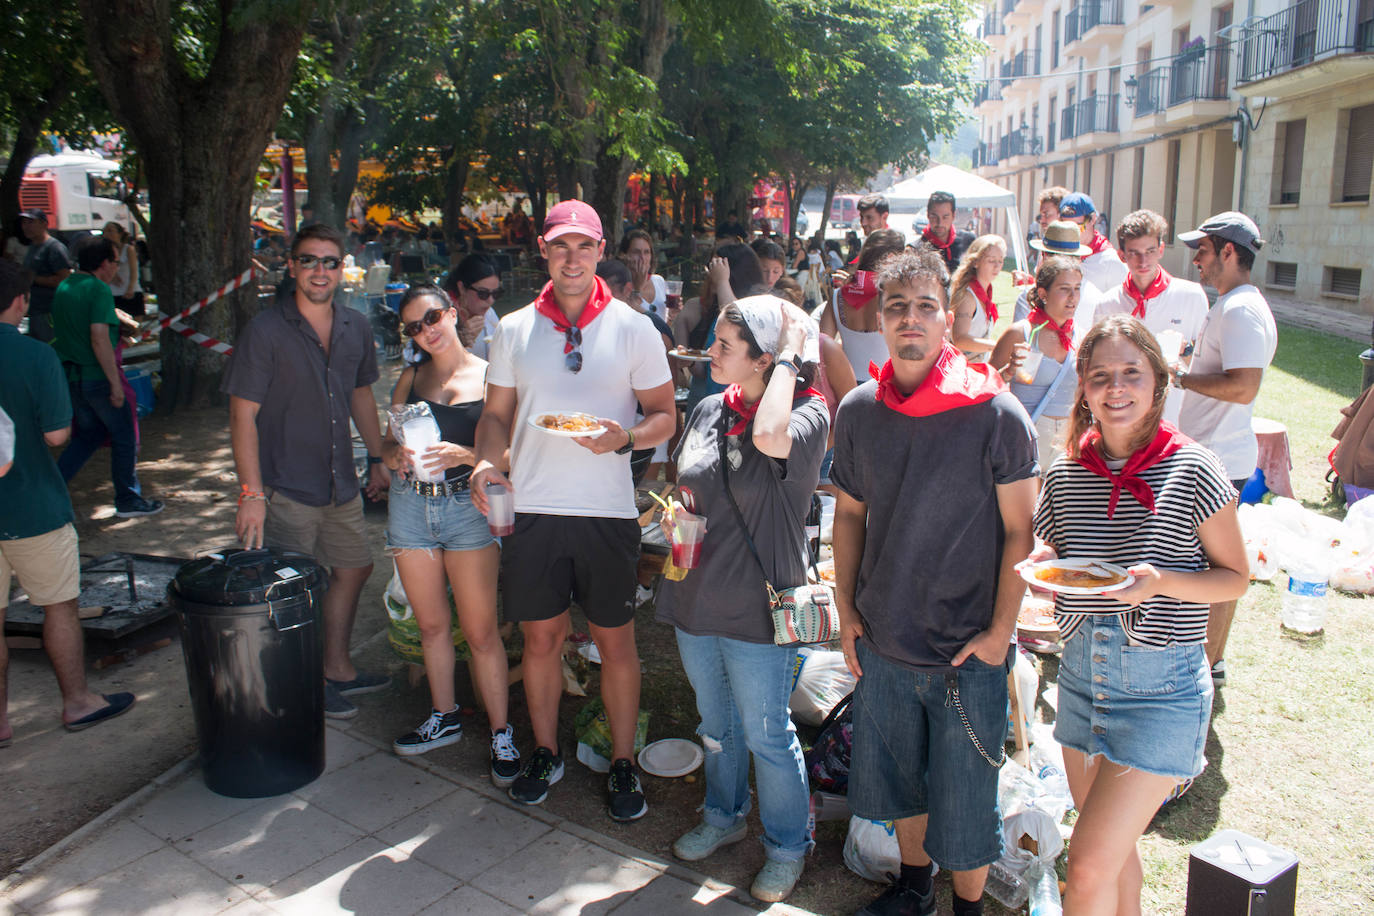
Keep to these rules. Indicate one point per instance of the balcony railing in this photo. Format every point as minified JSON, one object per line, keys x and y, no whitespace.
{"x":1089,"y":15}
{"x":1307,"y":31}
{"x":1201,"y":74}
{"x":1152,"y":92}
{"x":989,"y":91}
{"x":1026,"y":63}
{"x":992,"y":24}
{"x":1095,"y":114}
{"x":984,"y":154}
{"x":1016,"y":143}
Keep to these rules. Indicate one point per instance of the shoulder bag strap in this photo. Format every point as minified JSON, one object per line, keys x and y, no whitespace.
{"x":1049,"y":392}
{"x":739,"y":515}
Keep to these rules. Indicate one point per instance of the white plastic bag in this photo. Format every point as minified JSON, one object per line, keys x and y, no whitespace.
{"x":871,"y":851}
{"x":1257,"y":527}
{"x":820,"y":680}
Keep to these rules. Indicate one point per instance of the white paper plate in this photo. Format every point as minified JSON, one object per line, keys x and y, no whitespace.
{"x":680,"y":353}
{"x":1028,"y":573}
{"x":671,"y":757}
{"x":566,"y":434}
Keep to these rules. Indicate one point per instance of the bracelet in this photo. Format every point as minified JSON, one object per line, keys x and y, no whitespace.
{"x":789,"y":364}
{"x":252,"y":497}
{"x":374,"y":459}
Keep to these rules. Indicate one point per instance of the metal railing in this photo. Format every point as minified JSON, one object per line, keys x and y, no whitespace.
{"x":1307,"y":31}
{"x":992,"y":24}
{"x":1026,"y":63}
{"x":1095,"y":114}
{"x":1152,"y":92}
{"x":1090,"y":14}
{"x":991,"y":91}
{"x":1201,"y":74}
{"x":1016,"y":143}
{"x":984,"y":154}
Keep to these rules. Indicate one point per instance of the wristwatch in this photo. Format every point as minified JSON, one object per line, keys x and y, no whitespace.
{"x":791,"y":360}
{"x":628,"y":446}
{"x":374,"y":459}
{"x":1179,"y":373}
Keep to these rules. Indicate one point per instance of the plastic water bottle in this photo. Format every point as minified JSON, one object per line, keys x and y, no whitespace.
{"x":1050,"y":771}
{"x":1304,"y":601}
{"x":1005,"y":886}
{"x":1044,"y":892}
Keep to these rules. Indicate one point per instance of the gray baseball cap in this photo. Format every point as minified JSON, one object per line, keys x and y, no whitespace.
{"x":1235,"y":227}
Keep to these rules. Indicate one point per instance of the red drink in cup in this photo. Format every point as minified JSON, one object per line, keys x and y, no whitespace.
{"x":688,"y":533}
{"x":500,"y":510}
{"x":673,"y":295}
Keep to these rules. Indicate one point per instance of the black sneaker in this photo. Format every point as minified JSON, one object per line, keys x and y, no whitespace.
{"x":335,"y":706}
{"x":626,"y":795}
{"x":505,"y":759}
{"x":439,"y":730}
{"x":901,"y":900}
{"x":142,"y":507}
{"x":532,"y":785}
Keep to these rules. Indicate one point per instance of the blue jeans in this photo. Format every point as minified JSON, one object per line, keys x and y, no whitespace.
{"x":742,"y":690}
{"x":94,"y":419}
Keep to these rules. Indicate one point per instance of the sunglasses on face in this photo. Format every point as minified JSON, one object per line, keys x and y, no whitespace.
{"x":430,"y":319}
{"x":486,"y":295}
{"x":308,"y":262}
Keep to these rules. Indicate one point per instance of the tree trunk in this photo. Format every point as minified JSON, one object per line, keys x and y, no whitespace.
{"x":29,"y":123}
{"x":455,"y":182}
{"x":831,"y":184}
{"x":608,"y":194}
{"x":200,"y":141}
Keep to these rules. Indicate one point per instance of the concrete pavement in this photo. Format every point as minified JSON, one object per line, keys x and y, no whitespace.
{"x":374,"y":834}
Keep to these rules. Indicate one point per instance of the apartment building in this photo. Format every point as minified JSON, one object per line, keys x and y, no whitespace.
{"x":1190,"y":107}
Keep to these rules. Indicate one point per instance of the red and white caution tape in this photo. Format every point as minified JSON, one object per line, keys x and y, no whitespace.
{"x":200,"y":339}
{"x":175,"y":321}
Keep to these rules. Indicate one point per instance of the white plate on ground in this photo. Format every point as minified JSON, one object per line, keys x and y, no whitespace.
{"x":1029,"y":573}
{"x":690,"y":355}
{"x":566,"y":434}
{"x":671,"y":757}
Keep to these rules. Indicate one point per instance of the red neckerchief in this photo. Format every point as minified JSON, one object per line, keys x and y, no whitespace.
{"x":984,"y":295}
{"x":1158,"y":285}
{"x":1167,"y":441}
{"x":952,"y":382}
{"x":1064,"y":331}
{"x":943,"y":246}
{"x":860,"y":289}
{"x":1098,"y":242}
{"x":734,"y":399}
{"x":547,"y":306}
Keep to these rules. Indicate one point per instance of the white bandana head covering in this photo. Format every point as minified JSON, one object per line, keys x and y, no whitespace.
{"x":763,"y":315}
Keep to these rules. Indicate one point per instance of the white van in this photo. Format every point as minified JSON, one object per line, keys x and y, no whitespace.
{"x":77,"y":189}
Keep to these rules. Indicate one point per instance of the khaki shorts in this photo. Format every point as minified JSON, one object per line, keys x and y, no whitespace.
{"x":336,"y":536}
{"x":1051,"y":435}
{"x":48,"y":567}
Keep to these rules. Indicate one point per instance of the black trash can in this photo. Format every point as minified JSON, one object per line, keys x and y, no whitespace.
{"x":251,"y":634}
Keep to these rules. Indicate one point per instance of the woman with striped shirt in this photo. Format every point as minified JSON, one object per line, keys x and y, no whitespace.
{"x":1135,"y":693}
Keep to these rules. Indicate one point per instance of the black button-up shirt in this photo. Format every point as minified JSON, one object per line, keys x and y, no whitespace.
{"x":304,"y":441}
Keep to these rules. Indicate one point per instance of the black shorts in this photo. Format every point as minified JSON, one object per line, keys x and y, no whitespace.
{"x":552,"y":561}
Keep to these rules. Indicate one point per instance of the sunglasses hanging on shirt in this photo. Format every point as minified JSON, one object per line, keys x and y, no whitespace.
{"x":572,"y":349}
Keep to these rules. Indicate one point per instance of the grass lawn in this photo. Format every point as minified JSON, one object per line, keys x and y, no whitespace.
{"x":1291,"y":747}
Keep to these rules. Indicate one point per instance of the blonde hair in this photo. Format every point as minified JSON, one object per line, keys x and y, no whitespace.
{"x":1129,"y":329}
{"x":1054,"y":194}
{"x":967,"y":270}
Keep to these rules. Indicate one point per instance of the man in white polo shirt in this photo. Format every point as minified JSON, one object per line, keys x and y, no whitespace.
{"x":576,"y":539}
{"x":1236,"y":345}
{"x":1161,"y":302}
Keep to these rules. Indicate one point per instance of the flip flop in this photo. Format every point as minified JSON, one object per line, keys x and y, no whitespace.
{"x":5,"y":742}
{"x":117,"y":704}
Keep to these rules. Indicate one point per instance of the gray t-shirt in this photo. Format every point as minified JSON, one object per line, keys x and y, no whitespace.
{"x":724,"y":595}
{"x":934,"y":535}
{"x":45,"y":259}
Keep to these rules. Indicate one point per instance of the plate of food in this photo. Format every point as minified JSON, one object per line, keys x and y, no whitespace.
{"x":1036,"y":618}
{"x":1077,"y":577}
{"x":690,"y":355}
{"x":567,"y":423}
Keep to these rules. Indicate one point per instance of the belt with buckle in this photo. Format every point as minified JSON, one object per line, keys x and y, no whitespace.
{"x":439,"y":487}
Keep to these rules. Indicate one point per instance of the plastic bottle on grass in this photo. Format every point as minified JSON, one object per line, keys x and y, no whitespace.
{"x":1304,"y":600}
{"x":1044,"y":892}
{"x":1006,"y":886}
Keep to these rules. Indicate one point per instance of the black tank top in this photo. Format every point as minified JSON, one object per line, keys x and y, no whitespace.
{"x":457,"y":424}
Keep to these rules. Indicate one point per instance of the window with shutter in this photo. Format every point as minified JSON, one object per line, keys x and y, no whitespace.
{"x":1292,"y":135}
{"x":1343,"y":281}
{"x":1359,"y":154}
{"x":1283,"y":275}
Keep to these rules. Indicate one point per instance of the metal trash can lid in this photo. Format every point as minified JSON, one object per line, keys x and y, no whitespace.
{"x":235,"y":577}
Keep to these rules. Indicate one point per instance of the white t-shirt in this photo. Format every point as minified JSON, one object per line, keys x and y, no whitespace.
{"x":660,"y":304}
{"x":1239,"y":333}
{"x":1182,"y":307}
{"x":621,"y":353}
{"x":1105,"y":269}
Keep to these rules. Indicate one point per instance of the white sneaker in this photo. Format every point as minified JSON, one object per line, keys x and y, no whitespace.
{"x":643,"y":595}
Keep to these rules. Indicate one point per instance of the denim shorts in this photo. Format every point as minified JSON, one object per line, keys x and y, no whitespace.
{"x":914,"y":754}
{"x":416,"y":522}
{"x":1138,"y":706}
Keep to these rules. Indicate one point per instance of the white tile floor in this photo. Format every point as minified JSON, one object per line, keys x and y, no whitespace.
{"x":374,"y":834}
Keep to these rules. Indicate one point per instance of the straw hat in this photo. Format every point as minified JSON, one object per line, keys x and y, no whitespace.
{"x":1062,"y":237}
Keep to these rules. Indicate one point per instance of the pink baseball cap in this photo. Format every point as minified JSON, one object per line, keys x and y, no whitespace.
{"x":572,"y":216}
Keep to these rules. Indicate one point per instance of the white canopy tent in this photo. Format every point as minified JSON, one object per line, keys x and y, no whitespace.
{"x":907,"y":199}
